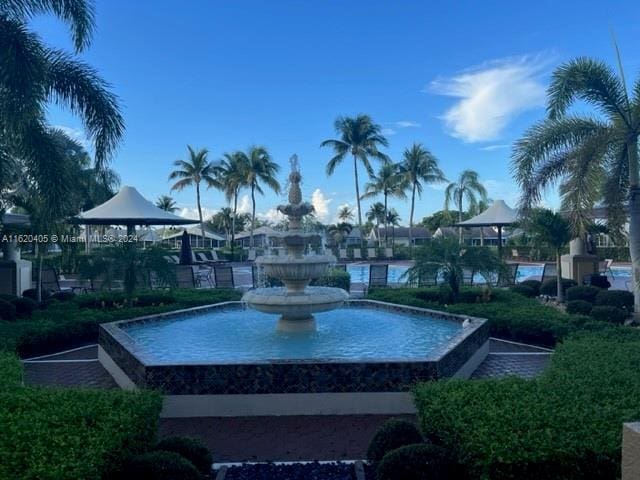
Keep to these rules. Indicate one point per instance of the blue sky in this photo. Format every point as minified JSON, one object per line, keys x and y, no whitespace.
{"x":464,"y":78}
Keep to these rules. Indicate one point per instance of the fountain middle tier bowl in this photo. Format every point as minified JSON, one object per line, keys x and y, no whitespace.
{"x":288,"y":267}
{"x":297,"y":306}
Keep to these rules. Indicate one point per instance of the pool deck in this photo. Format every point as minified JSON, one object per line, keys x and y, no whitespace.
{"x":309,"y":437}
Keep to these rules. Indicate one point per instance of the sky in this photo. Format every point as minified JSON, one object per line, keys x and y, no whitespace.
{"x":465,"y":78}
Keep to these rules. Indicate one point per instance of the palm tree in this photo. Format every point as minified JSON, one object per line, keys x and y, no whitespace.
{"x":393,"y":219}
{"x":549,"y":228}
{"x":166,"y":203}
{"x":376,"y":214}
{"x":345,"y":214}
{"x":231,"y":177}
{"x":589,"y":154}
{"x":222,"y":221}
{"x":339,"y":232}
{"x":259,"y":168}
{"x":34,"y":74}
{"x":194,"y":171}
{"x":419,"y":166}
{"x":361,"y":138}
{"x":390,"y":183}
{"x":467,"y":187}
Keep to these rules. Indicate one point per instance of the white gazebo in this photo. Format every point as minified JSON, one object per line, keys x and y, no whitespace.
{"x":498,"y":215}
{"x":128,"y":208}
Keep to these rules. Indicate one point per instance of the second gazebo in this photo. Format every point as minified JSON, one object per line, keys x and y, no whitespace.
{"x":498,"y":215}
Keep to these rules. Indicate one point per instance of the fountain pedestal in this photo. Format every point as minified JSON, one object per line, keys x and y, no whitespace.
{"x":296,"y":302}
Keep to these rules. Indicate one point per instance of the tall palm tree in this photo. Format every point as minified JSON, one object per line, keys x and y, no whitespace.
{"x":222,"y":221}
{"x":466,"y":188}
{"x":33,"y":75}
{"x":376,"y":214}
{"x":393,"y":219}
{"x":390,"y":183}
{"x":192,"y":172}
{"x":419,"y":166}
{"x":589,"y":154}
{"x":361,"y":138}
{"x":339,"y":232}
{"x":166,"y":203}
{"x":259,"y":169}
{"x":345,"y":214}
{"x":231,"y":177}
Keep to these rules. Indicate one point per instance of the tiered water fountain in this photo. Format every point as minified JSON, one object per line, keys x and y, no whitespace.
{"x":296,"y":302}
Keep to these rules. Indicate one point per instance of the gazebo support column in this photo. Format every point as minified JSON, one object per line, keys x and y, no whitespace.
{"x":500,"y":241}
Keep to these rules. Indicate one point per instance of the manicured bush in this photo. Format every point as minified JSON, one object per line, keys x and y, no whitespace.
{"x":615,"y":298}
{"x":524,"y":290}
{"x":150,"y":299}
{"x":7,"y":311}
{"x":394,"y":433}
{"x":190,"y":448}
{"x":69,"y":434}
{"x":564,"y":425}
{"x":334,"y":278}
{"x":420,"y":461}
{"x":579,"y":307}
{"x":10,"y":372}
{"x":8,"y":297}
{"x":587,"y":293}
{"x":600,"y":281}
{"x":32,"y":293}
{"x":550,"y":286}
{"x":469,"y":296}
{"x":605,"y":313}
{"x":24,"y":306}
{"x":535,"y":284}
{"x":63,"y":296}
{"x":159,"y":465}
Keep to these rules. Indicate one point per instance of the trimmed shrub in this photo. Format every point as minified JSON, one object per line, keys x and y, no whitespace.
{"x":10,"y":372}
{"x":8,"y":297}
{"x":24,"y":306}
{"x":473,"y":295}
{"x":615,"y":298}
{"x":550,"y":286}
{"x":7,"y":311}
{"x":190,"y":448}
{"x":606,"y":313}
{"x":151,"y":299}
{"x":63,"y":296}
{"x":535,"y":284}
{"x":579,"y":307}
{"x":516,"y":429}
{"x":32,"y":293}
{"x":420,"y":461}
{"x":587,"y":293}
{"x":524,"y":290}
{"x":600,"y":281}
{"x":393,"y":433}
{"x":159,"y":465}
{"x":334,"y":278}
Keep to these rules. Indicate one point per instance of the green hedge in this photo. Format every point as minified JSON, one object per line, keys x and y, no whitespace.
{"x":62,"y":434}
{"x":564,"y":425}
{"x":511,"y":315}
{"x":334,"y":278}
{"x":65,"y":324}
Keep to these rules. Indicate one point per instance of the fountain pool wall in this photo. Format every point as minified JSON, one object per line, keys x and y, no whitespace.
{"x":290,"y":386}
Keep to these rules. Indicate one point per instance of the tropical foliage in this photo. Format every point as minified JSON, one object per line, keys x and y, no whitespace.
{"x":467,"y":188}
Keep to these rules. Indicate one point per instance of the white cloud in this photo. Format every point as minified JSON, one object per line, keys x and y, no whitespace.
{"x":271,"y":215}
{"x":491,"y":148}
{"x":75,"y":134}
{"x":388,"y":131}
{"x":407,"y":124}
{"x":192,"y":212}
{"x":490,"y":96}
{"x":244,"y":205}
{"x":321,"y":204}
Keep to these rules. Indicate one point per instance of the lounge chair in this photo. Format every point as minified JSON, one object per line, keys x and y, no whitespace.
{"x":378,"y":275}
{"x":372,"y":253}
{"x":357,"y":255}
{"x":51,"y":282}
{"x":388,"y":253}
{"x":185,"y":277}
{"x":202,"y":258}
{"x":549,"y":271}
{"x":343,"y":254}
{"x":169,"y":258}
{"x":223,"y":276}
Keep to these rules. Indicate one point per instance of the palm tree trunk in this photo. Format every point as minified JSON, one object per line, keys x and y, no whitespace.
{"x":355,"y":172}
{"x":253,"y":213}
{"x":460,"y":219}
{"x":233,"y":223}
{"x":200,"y":211}
{"x":634,"y":221}
{"x":560,"y":293}
{"x":413,"y":201}
{"x":386,"y":222}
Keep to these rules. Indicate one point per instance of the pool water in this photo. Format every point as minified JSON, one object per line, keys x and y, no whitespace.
{"x":233,"y":336}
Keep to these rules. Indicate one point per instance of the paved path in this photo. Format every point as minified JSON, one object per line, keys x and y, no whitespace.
{"x":325,"y":437}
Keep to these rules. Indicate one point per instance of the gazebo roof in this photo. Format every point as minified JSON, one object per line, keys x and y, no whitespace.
{"x":498,"y":214}
{"x":15,"y":219}
{"x":128,"y":207}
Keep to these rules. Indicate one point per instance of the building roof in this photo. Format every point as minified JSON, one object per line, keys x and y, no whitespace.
{"x":498,"y":214}
{"x":128,"y":207}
